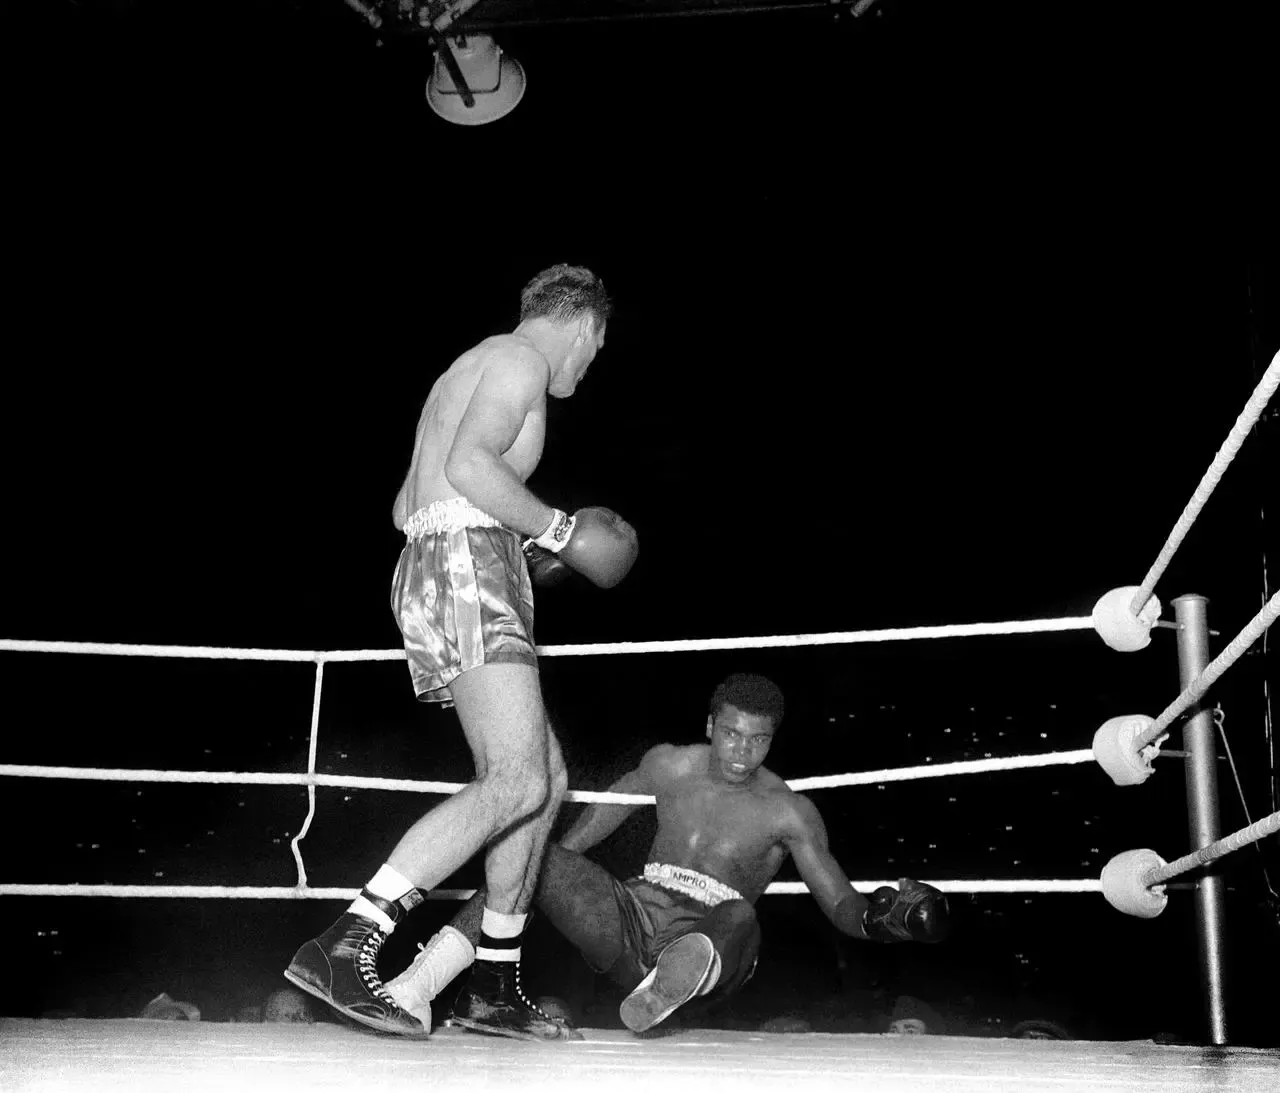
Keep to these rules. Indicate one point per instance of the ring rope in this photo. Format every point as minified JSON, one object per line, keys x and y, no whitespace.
{"x":1234,"y":651}
{"x":313,"y":744}
{"x":1227,"y":845}
{"x":311,"y":779}
{"x":1248,"y":417}
{"x":940,"y":770}
{"x":776,"y":641}
{"x":213,"y":891}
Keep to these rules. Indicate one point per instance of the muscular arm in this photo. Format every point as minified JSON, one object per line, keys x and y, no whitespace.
{"x":805,"y":837}
{"x":599,"y":821}
{"x":514,"y":383}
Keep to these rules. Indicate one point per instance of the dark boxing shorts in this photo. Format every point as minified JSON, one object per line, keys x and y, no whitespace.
{"x":656,"y":908}
{"x":461,"y":595}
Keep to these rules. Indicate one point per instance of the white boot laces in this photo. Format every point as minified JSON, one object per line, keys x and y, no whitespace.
{"x":525,"y":999}
{"x":367,"y":965}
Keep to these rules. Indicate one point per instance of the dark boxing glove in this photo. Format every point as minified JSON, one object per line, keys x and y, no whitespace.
{"x":911,"y":912}
{"x":596,"y":542}
{"x":546,"y":570}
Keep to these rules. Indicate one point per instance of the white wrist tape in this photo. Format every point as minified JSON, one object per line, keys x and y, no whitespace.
{"x":557,"y":533}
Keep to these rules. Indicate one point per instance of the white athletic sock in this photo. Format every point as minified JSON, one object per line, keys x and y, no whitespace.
{"x":500,"y":936}
{"x":388,"y":884}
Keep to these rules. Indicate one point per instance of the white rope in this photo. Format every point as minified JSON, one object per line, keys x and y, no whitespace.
{"x":1248,"y":416}
{"x":225,"y":777}
{"x":311,"y":780}
{"x":940,"y":770}
{"x":798,"y":888}
{"x":778,"y":888}
{"x":194,"y":652}
{"x":1198,"y":686}
{"x":203,"y":891}
{"x":856,"y":637}
{"x":1268,"y":825}
{"x":312,"y":747}
{"x":777,"y":641}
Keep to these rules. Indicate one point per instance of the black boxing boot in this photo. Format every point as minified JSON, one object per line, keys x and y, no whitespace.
{"x":492,"y":1001}
{"x":340,"y":967}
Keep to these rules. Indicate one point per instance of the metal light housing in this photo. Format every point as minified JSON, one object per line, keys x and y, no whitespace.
{"x":494,"y":79}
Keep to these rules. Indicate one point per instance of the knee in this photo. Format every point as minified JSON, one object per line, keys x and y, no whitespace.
{"x":739,"y":913}
{"x":518,"y":789}
{"x":557,"y":774}
{"x":736,"y":920}
{"x":523,"y":777}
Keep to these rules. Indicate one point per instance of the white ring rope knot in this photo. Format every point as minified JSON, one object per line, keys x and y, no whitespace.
{"x":1248,"y":417}
{"x":776,"y":641}
{"x":1268,"y":825}
{"x":338,"y":781}
{"x":1195,"y":690}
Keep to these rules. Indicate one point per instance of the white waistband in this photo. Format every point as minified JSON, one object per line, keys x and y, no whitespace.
{"x":689,"y":882}
{"x":448,"y":515}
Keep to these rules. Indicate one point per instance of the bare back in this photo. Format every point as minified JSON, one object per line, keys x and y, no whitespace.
{"x":452,"y":395}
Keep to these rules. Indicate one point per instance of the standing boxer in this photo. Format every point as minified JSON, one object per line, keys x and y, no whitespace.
{"x":463,"y":599}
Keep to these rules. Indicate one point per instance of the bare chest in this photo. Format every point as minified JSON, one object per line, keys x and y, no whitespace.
{"x":727,"y":833}
{"x":526,"y":449}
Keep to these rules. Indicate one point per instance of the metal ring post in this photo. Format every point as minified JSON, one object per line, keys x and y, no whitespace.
{"x":1201,"y":745}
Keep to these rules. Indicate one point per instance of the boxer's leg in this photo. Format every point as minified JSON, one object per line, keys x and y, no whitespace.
{"x":718,"y":956}
{"x":580,"y":899}
{"x":734,"y":932}
{"x":514,"y":748}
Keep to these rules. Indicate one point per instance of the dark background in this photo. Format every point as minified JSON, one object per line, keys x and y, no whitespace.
{"x":934,"y":318}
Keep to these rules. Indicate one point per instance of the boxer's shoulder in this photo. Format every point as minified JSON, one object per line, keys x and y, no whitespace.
{"x":666,"y":762}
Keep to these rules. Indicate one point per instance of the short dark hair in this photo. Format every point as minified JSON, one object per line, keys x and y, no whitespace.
{"x":751,"y":694}
{"x":565,"y":293}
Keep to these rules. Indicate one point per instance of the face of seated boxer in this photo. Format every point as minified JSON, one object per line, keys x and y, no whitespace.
{"x":587,"y":341}
{"x":739,"y":743}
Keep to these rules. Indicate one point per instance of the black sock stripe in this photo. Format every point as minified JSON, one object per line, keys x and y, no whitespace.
{"x":385,"y":906}
{"x":488,"y":942}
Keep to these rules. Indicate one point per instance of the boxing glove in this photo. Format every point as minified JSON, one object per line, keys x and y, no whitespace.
{"x":546,"y":570}
{"x":911,"y":912}
{"x":596,"y":542}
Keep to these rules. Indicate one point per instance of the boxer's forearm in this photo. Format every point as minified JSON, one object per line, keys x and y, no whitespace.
{"x":847,"y":916}
{"x":490,"y":484}
{"x":596,"y":823}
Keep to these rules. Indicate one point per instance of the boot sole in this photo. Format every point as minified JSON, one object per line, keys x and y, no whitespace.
{"x":368,"y":1022}
{"x":680,"y":971}
{"x":511,"y":1034}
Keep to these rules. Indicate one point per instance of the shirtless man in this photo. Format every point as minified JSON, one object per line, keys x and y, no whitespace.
{"x":686,"y":927}
{"x":462,"y":596}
